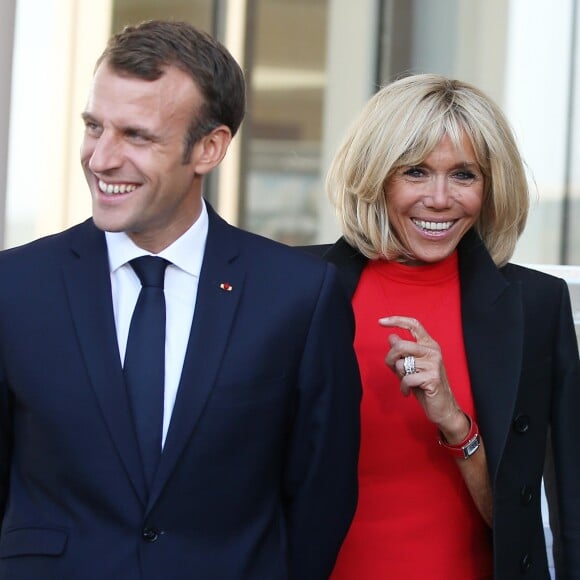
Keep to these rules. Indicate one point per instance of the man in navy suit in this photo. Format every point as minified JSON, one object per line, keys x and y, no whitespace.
{"x":256,"y":476}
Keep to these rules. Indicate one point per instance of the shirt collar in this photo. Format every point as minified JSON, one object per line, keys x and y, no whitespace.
{"x":186,"y":252}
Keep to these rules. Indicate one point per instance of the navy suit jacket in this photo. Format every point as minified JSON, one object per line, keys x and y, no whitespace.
{"x":525,"y":375}
{"x":258,"y":475}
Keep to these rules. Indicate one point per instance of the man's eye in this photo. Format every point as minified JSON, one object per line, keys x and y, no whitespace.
{"x":136,"y":136}
{"x":92,"y":128}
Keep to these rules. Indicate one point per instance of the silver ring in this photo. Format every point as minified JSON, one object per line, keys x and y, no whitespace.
{"x":409,"y":365}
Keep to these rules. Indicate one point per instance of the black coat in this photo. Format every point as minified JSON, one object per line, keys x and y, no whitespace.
{"x":525,"y":374}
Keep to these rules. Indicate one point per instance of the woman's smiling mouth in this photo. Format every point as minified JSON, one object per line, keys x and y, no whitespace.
{"x":433,"y":227}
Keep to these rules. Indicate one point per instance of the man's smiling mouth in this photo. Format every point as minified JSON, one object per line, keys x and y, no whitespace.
{"x":116,"y":188}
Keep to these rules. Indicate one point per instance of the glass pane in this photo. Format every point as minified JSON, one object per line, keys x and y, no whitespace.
{"x":284,"y":122}
{"x":573,"y":218}
{"x":198,"y":12}
{"x":501,"y":46}
{"x":574,"y":213}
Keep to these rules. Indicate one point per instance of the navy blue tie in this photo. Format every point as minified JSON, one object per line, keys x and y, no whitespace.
{"x":144,"y":365}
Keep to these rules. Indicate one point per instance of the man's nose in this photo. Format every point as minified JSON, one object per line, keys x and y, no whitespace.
{"x":106,"y":154}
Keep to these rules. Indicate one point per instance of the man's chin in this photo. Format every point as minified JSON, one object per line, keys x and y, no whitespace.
{"x":106,"y":224}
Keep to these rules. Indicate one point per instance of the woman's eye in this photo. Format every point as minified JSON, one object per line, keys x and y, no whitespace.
{"x":467,"y":176}
{"x":414,"y":172}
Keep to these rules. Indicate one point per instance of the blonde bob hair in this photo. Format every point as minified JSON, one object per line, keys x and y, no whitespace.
{"x":400,"y":126}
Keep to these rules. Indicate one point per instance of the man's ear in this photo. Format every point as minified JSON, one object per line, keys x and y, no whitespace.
{"x":211,"y":149}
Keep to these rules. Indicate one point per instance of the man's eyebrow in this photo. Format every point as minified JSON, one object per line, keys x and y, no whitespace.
{"x":87,"y":116}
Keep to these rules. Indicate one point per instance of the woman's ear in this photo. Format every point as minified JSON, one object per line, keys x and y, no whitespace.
{"x":208,"y":152}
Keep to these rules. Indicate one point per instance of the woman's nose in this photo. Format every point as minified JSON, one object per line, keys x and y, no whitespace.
{"x":438,"y":196}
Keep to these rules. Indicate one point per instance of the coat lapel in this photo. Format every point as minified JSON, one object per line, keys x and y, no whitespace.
{"x":350,"y":264}
{"x":493,"y":325}
{"x":88,"y":287}
{"x":213,"y":318}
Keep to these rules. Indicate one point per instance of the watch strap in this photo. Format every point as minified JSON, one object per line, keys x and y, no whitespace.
{"x":466,"y":448}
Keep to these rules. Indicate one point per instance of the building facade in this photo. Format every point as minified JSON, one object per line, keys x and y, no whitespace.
{"x":311,"y":65}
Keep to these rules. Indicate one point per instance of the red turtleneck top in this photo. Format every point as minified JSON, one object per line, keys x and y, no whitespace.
{"x":415,"y":518}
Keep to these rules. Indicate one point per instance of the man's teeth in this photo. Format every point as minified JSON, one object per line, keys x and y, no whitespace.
{"x":112,"y":188}
{"x":433,"y":226}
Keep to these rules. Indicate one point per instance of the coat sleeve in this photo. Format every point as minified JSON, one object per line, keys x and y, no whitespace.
{"x":321,"y":473}
{"x":5,"y":441}
{"x":562,"y":475}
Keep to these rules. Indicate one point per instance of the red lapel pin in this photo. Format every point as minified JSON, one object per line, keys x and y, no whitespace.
{"x":226,"y":286}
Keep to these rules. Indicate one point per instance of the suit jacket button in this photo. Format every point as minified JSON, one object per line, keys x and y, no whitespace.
{"x":525,"y":563}
{"x":521,"y":423}
{"x":150,"y":535}
{"x":526,"y":495}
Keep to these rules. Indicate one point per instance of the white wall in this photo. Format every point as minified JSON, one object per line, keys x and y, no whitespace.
{"x":7,"y":15}
{"x":352,"y":55}
{"x":536,"y":101}
{"x":55,"y":45}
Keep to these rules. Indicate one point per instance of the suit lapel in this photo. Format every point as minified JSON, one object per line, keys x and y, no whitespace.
{"x":493,"y":333}
{"x":87,"y":282}
{"x":213,"y":318}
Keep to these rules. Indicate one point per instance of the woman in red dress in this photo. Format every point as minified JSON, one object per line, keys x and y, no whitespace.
{"x":469,"y":363}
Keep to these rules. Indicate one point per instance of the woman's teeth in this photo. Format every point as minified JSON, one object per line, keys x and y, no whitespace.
{"x":433,"y":226}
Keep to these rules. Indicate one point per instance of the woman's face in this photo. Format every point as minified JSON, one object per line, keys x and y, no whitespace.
{"x":431,"y":205}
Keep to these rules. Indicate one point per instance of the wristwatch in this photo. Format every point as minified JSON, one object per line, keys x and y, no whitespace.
{"x":466,"y":448}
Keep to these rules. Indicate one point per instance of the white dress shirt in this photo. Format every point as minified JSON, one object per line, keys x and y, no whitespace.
{"x":185,"y":256}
